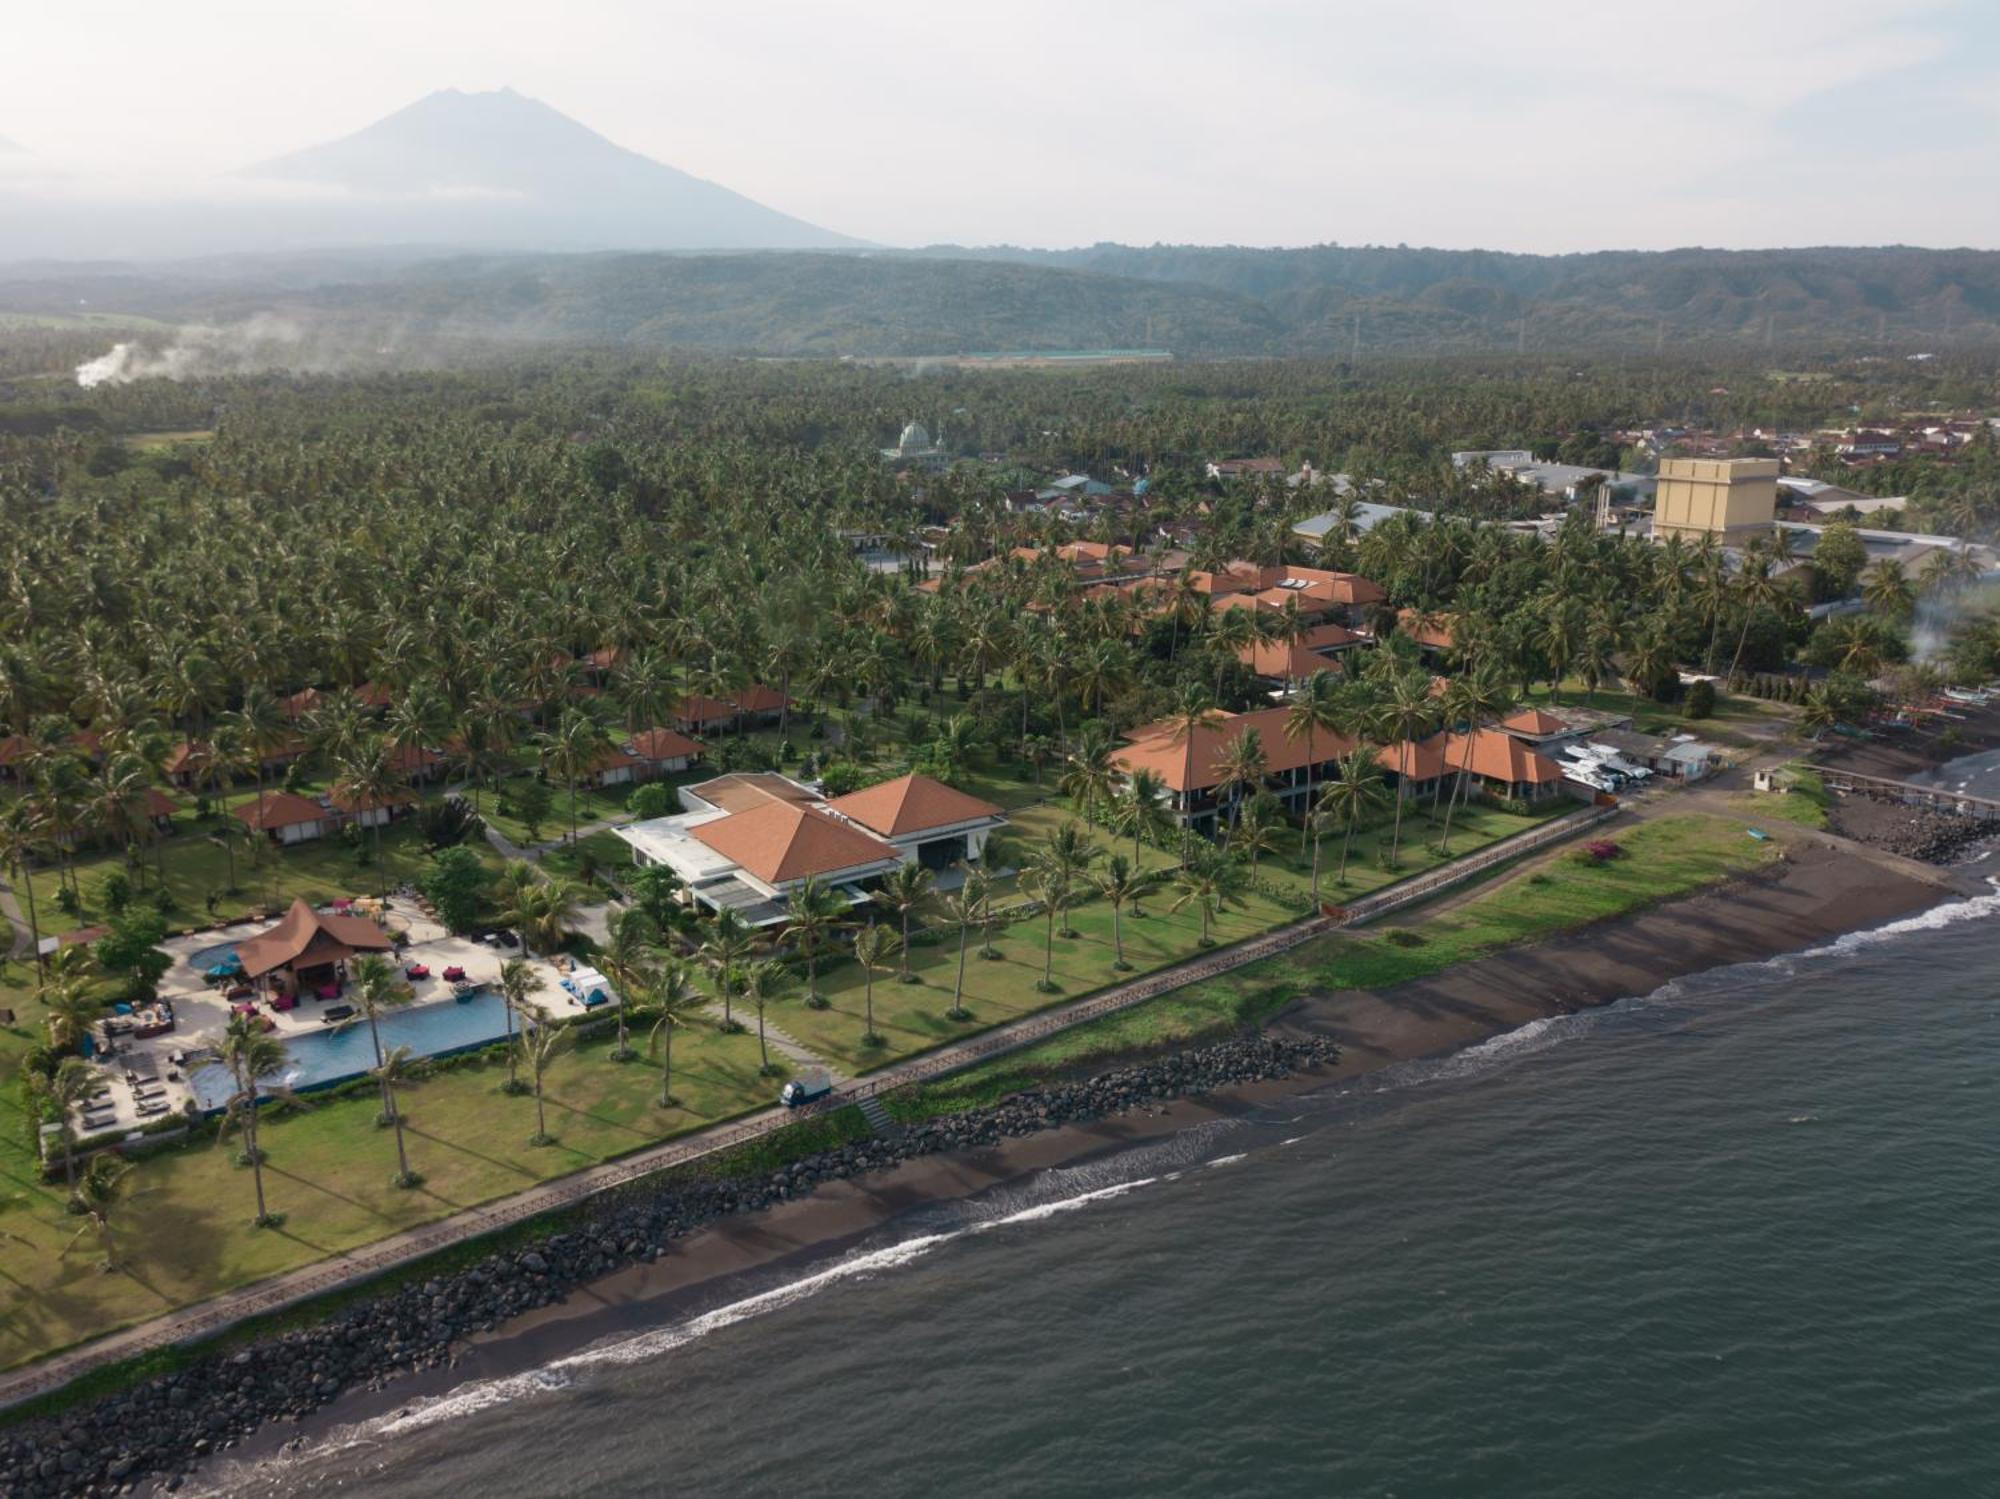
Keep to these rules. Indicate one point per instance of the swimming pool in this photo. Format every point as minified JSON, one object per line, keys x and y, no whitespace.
{"x":212,"y":957}
{"x":334,"y":1055}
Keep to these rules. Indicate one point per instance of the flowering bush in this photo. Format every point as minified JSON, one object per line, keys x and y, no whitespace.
{"x":1602,"y":851}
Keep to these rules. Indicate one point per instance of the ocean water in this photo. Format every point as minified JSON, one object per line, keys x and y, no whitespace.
{"x":1737,"y":1237}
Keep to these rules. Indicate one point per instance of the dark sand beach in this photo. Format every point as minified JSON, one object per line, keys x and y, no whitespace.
{"x":1817,"y":893}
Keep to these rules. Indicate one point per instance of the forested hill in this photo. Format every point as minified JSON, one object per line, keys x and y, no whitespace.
{"x":1480,"y":299}
{"x":1318,"y":302}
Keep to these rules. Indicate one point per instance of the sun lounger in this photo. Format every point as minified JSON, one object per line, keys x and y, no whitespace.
{"x":152,"y":1107}
{"x":335,"y":1013}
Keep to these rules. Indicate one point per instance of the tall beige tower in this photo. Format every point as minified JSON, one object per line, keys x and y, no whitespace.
{"x":1732,"y":498}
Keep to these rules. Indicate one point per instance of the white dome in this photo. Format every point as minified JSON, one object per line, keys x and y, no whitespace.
{"x":914,"y":436}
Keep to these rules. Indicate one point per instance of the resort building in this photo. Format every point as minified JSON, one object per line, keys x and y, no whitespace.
{"x":286,"y":817}
{"x":1289,"y":662}
{"x":746,"y":841}
{"x":1501,"y":765}
{"x":1320,"y":592}
{"x":665,"y":752}
{"x":756,"y":704}
{"x":308,"y":950}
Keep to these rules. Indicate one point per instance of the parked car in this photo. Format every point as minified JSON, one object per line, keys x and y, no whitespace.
{"x":805,"y":1090}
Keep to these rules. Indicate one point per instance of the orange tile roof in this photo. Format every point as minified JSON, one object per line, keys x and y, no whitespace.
{"x":741,"y":791}
{"x":758,"y":698}
{"x":159,"y":804}
{"x":1534,"y":723}
{"x":1433,"y":630}
{"x":351,"y":804}
{"x":1190,"y":763}
{"x":699,"y":709}
{"x":1277,"y":659}
{"x":1420,"y":762}
{"x":1497,"y":757}
{"x":783,"y":841}
{"x":408,"y":759}
{"x":281,"y":809}
{"x":911,"y":804}
{"x":666,"y":744}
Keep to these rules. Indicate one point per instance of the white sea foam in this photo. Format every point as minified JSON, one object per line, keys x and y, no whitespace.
{"x":1229,"y":1160}
{"x":560,"y":1374}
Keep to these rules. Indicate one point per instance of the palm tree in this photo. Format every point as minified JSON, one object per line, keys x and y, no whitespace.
{"x":1409,"y":713}
{"x":20,"y":841}
{"x":903,"y":889}
{"x":96,"y":1196}
{"x":70,"y":1084}
{"x":1757,"y":589}
{"x":366,"y":780}
{"x":1358,"y":790}
{"x":1141,"y":809}
{"x":1256,"y":832}
{"x":1240,"y":768}
{"x":260,"y":726}
{"x":627,"y":960}
{"x":251,"y":1056}
{"x":874,"y":946}
{"x":1887,"y":589}
{"x":969,"y":906}
{"x":540,"y":1045}
{"x":1053,"y":885}
{"x":572,"y":750}
{"x":552,"y":912}
{"x":518,"y":980}
{"x":1120,"y":884}
{"x":1070,"y":852}
{"x":392,"y":1071}
{"x":1315,"y":709}
{"x":762,"y":983}
{"x":730,"y":942}
{"x":1208,"y":884}
{"x":674,"y":998}
{"x":378,"y":988}
{"x":1471,"y":700}
{"x":814,"y":915}
{"x":72,"y":1003}
{"x":1088,"y":777}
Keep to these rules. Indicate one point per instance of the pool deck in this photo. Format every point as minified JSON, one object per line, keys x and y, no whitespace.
{"x":201,"y":1014}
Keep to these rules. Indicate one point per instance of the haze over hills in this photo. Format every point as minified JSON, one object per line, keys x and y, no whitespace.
{"x":453,"y":152}
{"x":468,"y":212}
{"x":459,"y":171}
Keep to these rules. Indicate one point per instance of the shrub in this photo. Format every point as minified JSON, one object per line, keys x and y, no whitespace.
{"x":841,"y":777}
{"x":1700,"y":700}
{"x":1601,"y":851}
{"x":447,"y":822}
{"x":456,"y":885}
{"x":1402,"y":936}
{"x":654,"y":799}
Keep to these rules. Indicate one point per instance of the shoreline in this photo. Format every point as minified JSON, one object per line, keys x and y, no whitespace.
{"x":1820,"y":892}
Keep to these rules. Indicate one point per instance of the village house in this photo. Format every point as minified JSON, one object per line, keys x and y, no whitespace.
{"x":665,"y":752}
{"x":286,"y":817}
{"x":1286,"y":663}
{"x":756,"y":704}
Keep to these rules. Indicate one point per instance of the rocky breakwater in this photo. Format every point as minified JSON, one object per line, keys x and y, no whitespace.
{"x":1924,"y":833}
{"x":152,"y":1434}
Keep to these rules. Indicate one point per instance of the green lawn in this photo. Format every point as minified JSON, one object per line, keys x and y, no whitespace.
{"x":1804,"y":801}
{"x":1664,"y":858}
{"x":196,"y":869}
{"x":186,"y":1227}
{"x":605,"y":852}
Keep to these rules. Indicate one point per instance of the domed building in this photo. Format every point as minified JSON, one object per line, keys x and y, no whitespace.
{"x":915,"y":446}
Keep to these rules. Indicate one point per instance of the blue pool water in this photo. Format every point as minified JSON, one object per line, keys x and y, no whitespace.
{"x":210,"y":957}
{"x":334,"y":1055}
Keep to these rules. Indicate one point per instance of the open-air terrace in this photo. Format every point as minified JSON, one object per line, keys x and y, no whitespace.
{"x":157,"y":1059}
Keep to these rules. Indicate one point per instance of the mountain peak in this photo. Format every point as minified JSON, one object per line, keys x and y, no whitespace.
{"x":499,"y":147}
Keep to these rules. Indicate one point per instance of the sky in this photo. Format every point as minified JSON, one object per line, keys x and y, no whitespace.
{"x":1535,"y":125}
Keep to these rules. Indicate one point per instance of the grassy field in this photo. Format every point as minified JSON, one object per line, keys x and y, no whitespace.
{"x":196,"y":869}
{"x":185,"y":1228}
{"x":1737,"y":718}
{"x":1804,"y":801}
{"x":1664,"y":858}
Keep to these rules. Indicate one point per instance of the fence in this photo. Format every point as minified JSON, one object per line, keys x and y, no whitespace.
{"x":1938,"y":798}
